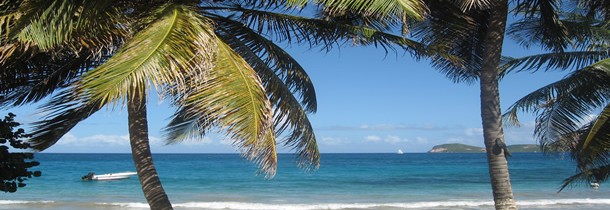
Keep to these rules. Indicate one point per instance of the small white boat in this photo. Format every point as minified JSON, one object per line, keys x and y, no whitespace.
{"x":399,"y":152}
{"x":594,"y":185}
{"x":105,"y":177}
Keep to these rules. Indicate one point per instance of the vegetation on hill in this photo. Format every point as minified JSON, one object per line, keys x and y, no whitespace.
{"x":456,"y":148}
{"x":524,"y":148}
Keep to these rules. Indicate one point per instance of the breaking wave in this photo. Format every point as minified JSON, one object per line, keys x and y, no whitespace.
{"x":410,"y":205}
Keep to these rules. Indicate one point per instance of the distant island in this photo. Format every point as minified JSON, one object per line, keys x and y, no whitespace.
{"x":463,"y":148}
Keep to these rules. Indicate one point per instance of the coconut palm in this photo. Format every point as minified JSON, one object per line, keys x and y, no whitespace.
{"x":564,"y":108}
{"x":211,"y":58}
{"x":474,"y":30}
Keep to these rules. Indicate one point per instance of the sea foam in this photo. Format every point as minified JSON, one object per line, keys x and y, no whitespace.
{"x":8,"y":202}
{"x":409,"y":205}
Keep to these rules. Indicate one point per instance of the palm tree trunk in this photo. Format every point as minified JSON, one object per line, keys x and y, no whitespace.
{"x":490,"y":107}
{"x":142,"y":157}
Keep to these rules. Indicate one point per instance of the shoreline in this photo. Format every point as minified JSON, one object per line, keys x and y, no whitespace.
{"x":447,"y":204}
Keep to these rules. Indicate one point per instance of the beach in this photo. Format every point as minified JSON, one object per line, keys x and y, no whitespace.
{"x":344,"y":181}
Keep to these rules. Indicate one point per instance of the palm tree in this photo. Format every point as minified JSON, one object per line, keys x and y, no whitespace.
{"x":210,"y":58}
{"x":564,"y":108}
{"x":473,"y":32}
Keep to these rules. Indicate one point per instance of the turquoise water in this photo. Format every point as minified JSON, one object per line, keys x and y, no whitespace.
{"x":344,"y":181}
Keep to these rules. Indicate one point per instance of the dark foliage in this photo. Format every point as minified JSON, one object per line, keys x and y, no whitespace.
{"x":14,"y":165}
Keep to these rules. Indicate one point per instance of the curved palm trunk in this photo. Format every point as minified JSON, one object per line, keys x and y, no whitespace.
{"x":142,"y":157}
{"x":490,"y":108}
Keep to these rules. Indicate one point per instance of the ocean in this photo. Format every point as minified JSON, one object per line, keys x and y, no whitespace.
{"x":344,"y":181}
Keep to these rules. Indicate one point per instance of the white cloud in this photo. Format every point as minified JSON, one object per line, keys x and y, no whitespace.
{"x":394,"y":139}
{"x":332,"y":141}
{"x":364,"y":127}
{"x":120,"y":143}
{"x":67,"y":139}
{"x":524,"y":134}
{"x":372,"y":138}
{"x":203,"y":141}
{"x":391,"y":139}
{"x":99,"y":139}
{"x":385,"y":127}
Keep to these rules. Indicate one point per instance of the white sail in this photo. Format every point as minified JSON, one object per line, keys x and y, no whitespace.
{"x":400,"y":152}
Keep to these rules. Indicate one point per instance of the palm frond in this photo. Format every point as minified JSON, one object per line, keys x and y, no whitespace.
{"x":467,"y":5}
{"x":185,"y":126}
{"x":276,"y":3}
{"x":64,"y":112}
{"x":288,"y":113}
{"x":554,"y":61}
{"x":599,"y":174}
{"x":89,"y":24}
{"x":317,"y":32}
{"x":31,"y":80}
{"x":264,"y":154}
{"x":597,"y":127}
{"x":176,"y":45}
{"x":595,"y":153}
{"x":252,"y":45}
{"x":596,"y":8}
{"x":541,"y":24}
{"x":389,"y":10}
{"x":564,"y":105}
{"x":586,"y":31}
{"x":232,"y":97}
{"x":458,"y":33}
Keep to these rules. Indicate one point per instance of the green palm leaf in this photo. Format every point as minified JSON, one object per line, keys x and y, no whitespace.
{"x":90,"y":24}
{"x":288,"y":113}
{"x":178,"y":44}
{"x":599,"y":174}
{"x":565,"y":104}
{"x":276,"y":3}
{"x":555,"y":61}
{"x":317,"y":32}
{"x":251,"y":45}
{"x":591,"y":151}
{"x":64,"y":111}
{"x":31,"y":80}
{"x":541,"y":24}
{"x":467,"y":5}
{"x":459,"y":34}
{"x":596,"y":130}
{"x":232,"y":97}
{"x":185,"y":126}
{"x":264,"y":154}
{"x":391,"y":10}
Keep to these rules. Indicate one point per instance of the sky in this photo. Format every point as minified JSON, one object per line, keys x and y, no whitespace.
{"x":368,"y":102}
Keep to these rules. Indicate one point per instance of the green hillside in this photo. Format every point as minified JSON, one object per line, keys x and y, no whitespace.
{"x":524,"y":148}
{"x":463,"y":148}
{"x":456,"y":148}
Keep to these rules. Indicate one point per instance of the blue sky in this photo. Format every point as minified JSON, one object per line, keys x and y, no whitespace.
{"x":368,"y":101}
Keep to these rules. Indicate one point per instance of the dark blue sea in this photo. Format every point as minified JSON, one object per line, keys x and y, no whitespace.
{"x":344,"y":181}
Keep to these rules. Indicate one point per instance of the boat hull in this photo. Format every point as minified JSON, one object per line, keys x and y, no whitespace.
{"x":108,"y":177}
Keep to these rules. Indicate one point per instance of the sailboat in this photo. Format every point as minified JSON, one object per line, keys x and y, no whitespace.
{"x":399,"y":152}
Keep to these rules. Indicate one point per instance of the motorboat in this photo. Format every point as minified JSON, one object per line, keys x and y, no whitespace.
{"x":594,"y":185}
{"x":105,"y":177}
